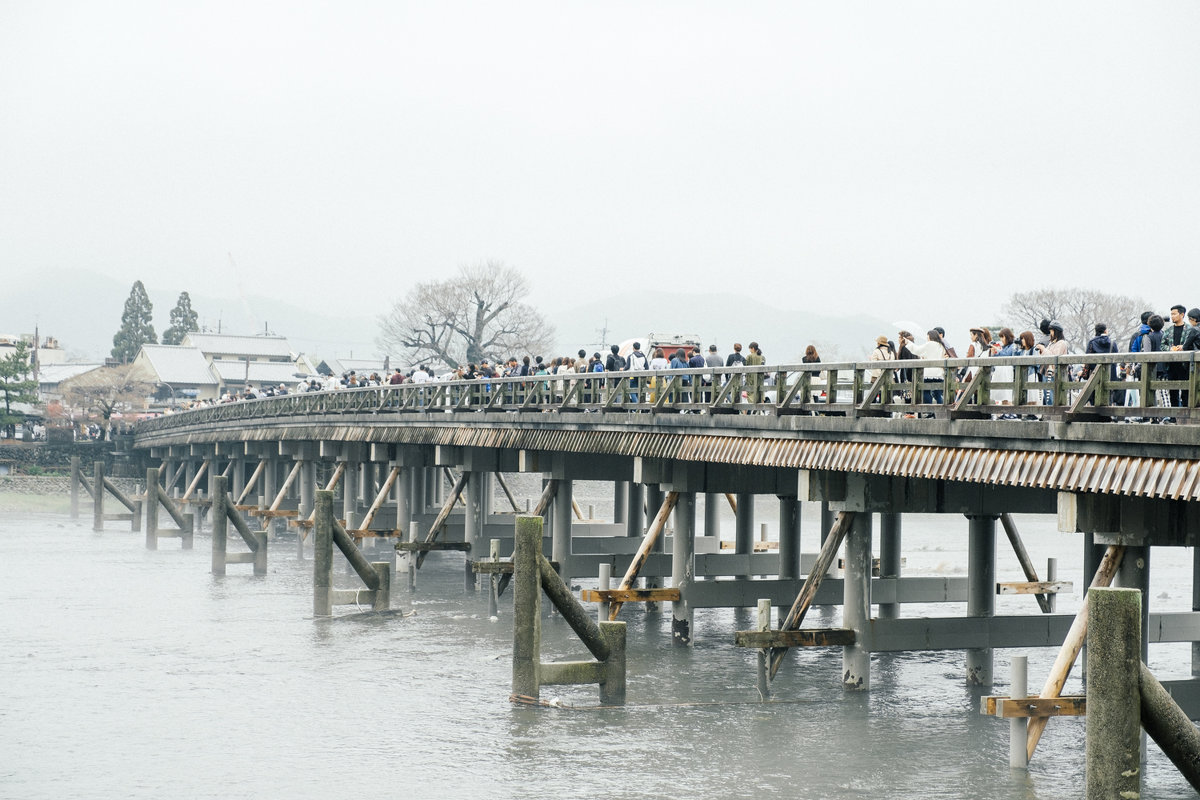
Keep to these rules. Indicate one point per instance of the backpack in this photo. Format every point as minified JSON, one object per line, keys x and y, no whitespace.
{"x":598,"y":366}
{"x":637,"y":361}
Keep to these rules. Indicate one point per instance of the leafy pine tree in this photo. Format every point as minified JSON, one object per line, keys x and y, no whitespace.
{"x":183,"y":320}
{"x":136,"y":327}
{"x":16,"y":385}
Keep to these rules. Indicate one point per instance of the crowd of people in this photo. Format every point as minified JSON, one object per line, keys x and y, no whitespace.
{"x":1179,"y":331}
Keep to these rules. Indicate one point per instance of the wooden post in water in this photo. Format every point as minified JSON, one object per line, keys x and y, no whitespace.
{"x":323,"y":555}
{"x":612,"y":687}
{"x":493,"y":596}
{"x":151,"y":508}
{"x":220,"y":526}
{"x":527,"y":607}
{"x":764,"y":671}
{"x":1114,"y":638}
{"x":411,"y":556}
{"x":75,"y":478}
{"x":98,"y":496}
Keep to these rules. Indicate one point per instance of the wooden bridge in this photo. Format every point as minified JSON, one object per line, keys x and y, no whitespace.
{"x":1013,"y":435}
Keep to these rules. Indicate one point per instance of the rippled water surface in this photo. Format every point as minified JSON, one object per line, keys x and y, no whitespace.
{"x":135,"y":673}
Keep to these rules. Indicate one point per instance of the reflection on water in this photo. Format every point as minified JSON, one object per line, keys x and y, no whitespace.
{"x":135,"y":673}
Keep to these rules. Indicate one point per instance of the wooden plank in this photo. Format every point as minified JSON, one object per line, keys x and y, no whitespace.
{"x":1034,"y":706}
{"x":425,"y":547}
{"x":805,"y":637}
{"x":628,"y":595}
{"x":1072,"y":645}
{"x":1034,"y":587}
{"x":639,"y":558}
{"x":816,"y":574}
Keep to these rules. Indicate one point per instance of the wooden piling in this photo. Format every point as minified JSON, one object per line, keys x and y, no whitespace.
{"x":1114,"y":639}
{"x":75,"y":479}
{"x":220,"y":526}
{"x":612,"y":686}
{"x":323,"y":555}
{"x":764,"y":667}
{"x":98,"y":496}
{"x":527,"y":611}
{"x":150,"y":507}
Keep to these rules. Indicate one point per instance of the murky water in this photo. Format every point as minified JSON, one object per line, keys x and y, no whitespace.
{"x":135,"y":673}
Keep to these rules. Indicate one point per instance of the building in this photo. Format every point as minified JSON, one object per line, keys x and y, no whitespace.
{"x":182,"y":371}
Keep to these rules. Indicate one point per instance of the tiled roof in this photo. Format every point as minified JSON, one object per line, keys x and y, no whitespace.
{"x":261,"y":372}
{"x":178,"y":365}
{"x":226,"y":344}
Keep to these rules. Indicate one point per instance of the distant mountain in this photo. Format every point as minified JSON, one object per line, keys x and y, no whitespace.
{"x":719,"y":319}
{"x":83,"y":311}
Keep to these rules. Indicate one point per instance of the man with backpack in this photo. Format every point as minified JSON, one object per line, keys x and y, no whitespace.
{"x":636,"y":362}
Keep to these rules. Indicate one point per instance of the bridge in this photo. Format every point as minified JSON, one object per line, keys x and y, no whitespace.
{"x":981,"y":438}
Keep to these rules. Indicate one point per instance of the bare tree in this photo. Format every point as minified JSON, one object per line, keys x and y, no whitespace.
{"x":106,"y":390}
{"x":478,"y":313}
{"x":1078,"y":310}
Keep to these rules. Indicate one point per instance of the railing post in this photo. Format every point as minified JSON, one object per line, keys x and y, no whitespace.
{"x":1114,"y":763}
{"x":527,"y":607}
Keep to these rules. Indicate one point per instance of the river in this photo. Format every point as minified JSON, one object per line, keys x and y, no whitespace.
{"x":136,"y":674}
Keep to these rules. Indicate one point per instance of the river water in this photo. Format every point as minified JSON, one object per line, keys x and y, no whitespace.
{"x":136,"y":674}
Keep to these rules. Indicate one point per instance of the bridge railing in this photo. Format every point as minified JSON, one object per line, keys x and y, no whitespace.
{"x":1119,"y":386}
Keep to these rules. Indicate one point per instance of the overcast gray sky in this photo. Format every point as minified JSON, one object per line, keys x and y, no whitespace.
{"x":921,"y":160}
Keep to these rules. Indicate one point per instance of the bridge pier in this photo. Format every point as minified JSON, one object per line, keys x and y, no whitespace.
{"x":620,"y":496}
{"x":683,"y":547}
{"x":981,"y":590}
{"x":856,"y":604}
{"x":789,"y":536}
{"x":560,"y":541}
{"x":743,"y":535}
{"x":654,"y":501}
{"x":712,"y":514}
{"x":350,"y":492}
{"x":889,"y":557}
{"x":634,"y":527}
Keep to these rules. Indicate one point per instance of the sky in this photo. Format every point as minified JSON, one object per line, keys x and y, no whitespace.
{"x":917,"y":160}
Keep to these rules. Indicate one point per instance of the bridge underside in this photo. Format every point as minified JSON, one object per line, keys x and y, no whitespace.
{"x":1115,"y":484}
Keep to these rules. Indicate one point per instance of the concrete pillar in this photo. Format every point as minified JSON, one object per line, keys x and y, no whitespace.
{"x":487,"y":488}
{"x":1114,"y":704}
{"x":432,"y":482}
{"x":473,"y":520}
{"x":620,"y":496}
{"x":743,"y":536}
{"x":560,"y":543}
{"x":654,"y":501}
{"x":712,"y":514}
{"x":981,"y":591}
{"x":889,"y":558}
{"x":269,"y":483}
{"x":1195,"y":605}
{"x":683,"y":547}
{"x":350,"y":495}
{"x":220,"y":527}
{"x":789,"y":537}
{"x":856,"y":604}
{"x":633,"y":521}
{"x":1134,"y":573}
{"x":401,"y":495}
{"x":237,"y":477}
{"x":418,"y":490}
{"x":308,"y":485}
{"x":366,"y":487}
{"x":150,"y":508}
